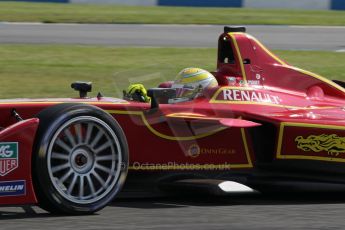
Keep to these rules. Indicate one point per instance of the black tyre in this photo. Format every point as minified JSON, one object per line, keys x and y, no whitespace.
{"x":80,"y":159}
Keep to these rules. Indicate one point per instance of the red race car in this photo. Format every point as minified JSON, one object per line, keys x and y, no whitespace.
{"x":267,"y":125}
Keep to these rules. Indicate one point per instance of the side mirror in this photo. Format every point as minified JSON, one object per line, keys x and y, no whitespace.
{"x":82,"y":87}
{"x":160,"y":95}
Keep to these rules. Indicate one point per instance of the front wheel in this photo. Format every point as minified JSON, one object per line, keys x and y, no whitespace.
{"x":81,"y":159}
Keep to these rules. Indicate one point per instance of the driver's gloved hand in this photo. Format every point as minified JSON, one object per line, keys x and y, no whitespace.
{"x":136,"y":92}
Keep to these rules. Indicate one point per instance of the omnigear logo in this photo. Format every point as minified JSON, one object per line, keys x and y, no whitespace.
{"x":194,"y":151}
{"x":8,"y":157}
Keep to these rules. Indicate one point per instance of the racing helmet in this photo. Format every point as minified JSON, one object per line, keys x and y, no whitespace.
{"x":192,"y":82}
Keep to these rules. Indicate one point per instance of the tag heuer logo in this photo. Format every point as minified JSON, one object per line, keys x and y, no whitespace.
{"x":8,"y":157}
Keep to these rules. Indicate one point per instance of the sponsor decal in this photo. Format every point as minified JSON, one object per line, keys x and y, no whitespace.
{"x":231,"y":80}
{"x":249,"y":95}
{"x":254,"y":82}
{"x":332,"y":144}
{"x":243,"y":82}
{"x":195,"y":151}
{"x":12,"y":188}
{"x":8,"y":157}
{"x":250,"y":82}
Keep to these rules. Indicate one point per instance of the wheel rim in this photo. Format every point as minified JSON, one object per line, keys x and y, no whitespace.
{"x":84,"y":160}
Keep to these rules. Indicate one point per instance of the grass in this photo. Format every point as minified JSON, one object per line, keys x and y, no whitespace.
{"x":48,"y":70}
{"x":83,"y":13}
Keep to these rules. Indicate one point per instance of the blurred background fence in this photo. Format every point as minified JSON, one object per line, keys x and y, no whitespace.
{"x":290,"y":4}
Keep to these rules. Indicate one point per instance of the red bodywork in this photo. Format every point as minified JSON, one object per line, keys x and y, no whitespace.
{"x":265,"y":115}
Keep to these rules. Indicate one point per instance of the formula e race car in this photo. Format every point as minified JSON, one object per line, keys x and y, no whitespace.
{"x":268,"y":125}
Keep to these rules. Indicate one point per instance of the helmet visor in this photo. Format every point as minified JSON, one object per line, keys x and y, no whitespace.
{"x":183,"y":90}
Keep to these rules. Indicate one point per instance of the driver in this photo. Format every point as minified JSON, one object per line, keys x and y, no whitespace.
{"x":190,"y":83}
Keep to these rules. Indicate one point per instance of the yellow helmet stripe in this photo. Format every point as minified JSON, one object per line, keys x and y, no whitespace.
{"x":195,"y":78}
{"x":193,"y":74}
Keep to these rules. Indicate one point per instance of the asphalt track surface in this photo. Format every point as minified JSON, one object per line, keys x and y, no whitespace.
{"x":323,"y":211}
{"x":275,"y":37}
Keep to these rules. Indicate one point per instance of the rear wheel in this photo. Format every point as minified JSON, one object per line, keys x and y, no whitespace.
{"x":81,"y":159}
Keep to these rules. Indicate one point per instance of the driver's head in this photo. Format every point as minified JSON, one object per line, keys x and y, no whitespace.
{"x":192,"y":82}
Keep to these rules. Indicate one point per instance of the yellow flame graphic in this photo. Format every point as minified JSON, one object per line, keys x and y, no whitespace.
{"x":332,"y":144}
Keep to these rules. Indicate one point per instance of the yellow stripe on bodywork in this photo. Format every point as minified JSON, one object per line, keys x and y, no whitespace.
{"x":246,"y":149}
{"x":161,"y":135}
{"x":60,"y":102}
{"x":267,"y":51}
{"x":238,"y":54}
{"x":214,"y":100}
{"x":183,"y":166}
{"x":323,"y":79}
